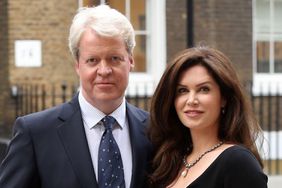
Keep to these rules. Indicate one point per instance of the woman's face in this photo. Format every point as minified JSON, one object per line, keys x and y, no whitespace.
{"x":198,"y":99}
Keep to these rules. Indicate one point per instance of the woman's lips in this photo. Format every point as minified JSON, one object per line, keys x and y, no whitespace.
{"x":193,"y":113}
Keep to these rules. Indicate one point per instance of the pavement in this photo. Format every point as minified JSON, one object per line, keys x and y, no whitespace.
{"x":275,"y":181}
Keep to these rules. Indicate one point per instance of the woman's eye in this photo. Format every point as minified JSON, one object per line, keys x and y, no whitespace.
{"x":181,"y":90}
{"x":205,"y":89}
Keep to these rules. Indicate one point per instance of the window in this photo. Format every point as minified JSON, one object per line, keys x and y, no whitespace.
{"x":267,"y":45}
{"x":148,"y":19}
{"x":135,"y":10}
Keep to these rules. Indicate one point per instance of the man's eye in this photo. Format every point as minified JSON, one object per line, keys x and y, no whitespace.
{"x":116,"y":59}
{"x":92,"y":60}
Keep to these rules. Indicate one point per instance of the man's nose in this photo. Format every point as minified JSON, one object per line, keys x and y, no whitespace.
{"x":104,"y":69}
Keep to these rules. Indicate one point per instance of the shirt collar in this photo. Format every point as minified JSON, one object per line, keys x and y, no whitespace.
{"x":92,"y":116}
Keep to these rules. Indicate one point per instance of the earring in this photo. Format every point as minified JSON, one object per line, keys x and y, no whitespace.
{"x":223,"y":110}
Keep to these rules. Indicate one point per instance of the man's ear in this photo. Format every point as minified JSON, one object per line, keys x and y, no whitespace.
{"x":76,"y":66}
{"x":131,"y":63}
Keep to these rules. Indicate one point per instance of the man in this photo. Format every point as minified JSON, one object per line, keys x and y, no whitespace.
{"x":67,"y":146}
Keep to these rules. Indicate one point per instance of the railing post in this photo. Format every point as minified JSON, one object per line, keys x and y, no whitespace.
{"x":43,"y":97}
{"x":64,"y":88}
{"x":277,"y":123}
{"x":269,"y":127}
{"x":36,"y":98}
{"x":53,"y":95}
{"x":15,"y":96}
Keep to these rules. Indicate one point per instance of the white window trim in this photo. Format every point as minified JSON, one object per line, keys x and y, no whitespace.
{"x":156,"y":51}
{"x":80,"y":3}
{"x":267,"y":84}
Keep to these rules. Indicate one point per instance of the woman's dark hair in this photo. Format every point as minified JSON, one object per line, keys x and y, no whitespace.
{"x":171,"y":138}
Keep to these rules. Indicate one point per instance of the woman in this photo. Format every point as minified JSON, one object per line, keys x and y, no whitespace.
{"x":202,"y":126}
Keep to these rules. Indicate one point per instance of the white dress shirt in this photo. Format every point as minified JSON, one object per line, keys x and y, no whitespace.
{"x":94,"y":130}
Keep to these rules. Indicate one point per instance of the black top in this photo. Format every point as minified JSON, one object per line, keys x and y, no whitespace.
{"x":235,"y":167}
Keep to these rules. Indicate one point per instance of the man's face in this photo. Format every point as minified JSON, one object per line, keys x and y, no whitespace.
{"x":103,"y":66}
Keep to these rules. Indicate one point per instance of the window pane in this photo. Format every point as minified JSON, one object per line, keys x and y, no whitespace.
{"x":262,"y":56}
{"x":119,"y":5}
{"x":262,"y":19}
{"x":86,"y":2}
{"x":277,"y":27}
{"x":89,"y":3}
{"x":138,"y":20}
{"x":138,"y":16}
{"x":140,"y":54}
{"x":278,"y":57}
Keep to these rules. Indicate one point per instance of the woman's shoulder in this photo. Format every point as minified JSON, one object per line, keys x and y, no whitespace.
{"x":239,"y":163}
{"x":237,"y":152}
{"x":232,"y":148}
{"x":238,"y":155}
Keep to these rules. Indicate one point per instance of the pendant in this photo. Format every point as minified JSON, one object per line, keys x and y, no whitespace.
{"x":184,"y":172}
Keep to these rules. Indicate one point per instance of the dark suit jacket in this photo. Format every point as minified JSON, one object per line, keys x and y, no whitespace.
{"x":49,"y":149}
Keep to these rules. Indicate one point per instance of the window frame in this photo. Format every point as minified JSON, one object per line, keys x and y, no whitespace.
{"x":265,"y":83}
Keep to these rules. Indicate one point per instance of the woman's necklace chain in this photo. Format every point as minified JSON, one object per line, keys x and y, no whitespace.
{"x":190,"y":165}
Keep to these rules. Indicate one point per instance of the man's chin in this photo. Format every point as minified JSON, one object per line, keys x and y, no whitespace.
{"x":107,"y":97}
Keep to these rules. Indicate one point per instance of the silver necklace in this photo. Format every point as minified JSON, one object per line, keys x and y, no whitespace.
{"x":190,"y":165}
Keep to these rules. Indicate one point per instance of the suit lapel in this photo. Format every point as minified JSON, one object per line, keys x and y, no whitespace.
{"x":73,"y":137}
{"x":139,"y":144}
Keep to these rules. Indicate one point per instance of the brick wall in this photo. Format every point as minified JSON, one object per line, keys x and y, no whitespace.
{"x":176,"y":33}
{"x":4,"y":73}
{"x":227,"y":25}
{"x":47,"y":21}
